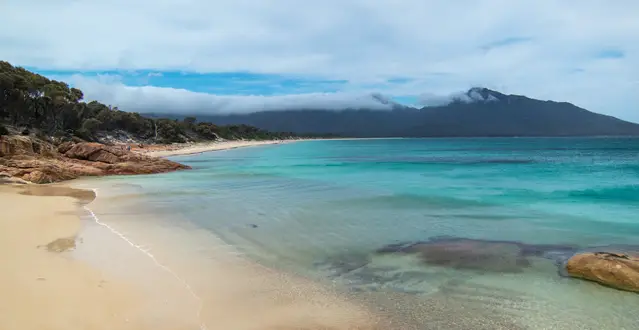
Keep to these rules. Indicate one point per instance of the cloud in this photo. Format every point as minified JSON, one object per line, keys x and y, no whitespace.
{"x":162,"y":100}
{"x":610,"y":53}
{"x":510,"y":41}
{"x":469,"y":96}
{"x":542,"y":49}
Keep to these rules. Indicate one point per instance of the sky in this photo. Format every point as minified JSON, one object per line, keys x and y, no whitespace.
{"x":252,"y":55}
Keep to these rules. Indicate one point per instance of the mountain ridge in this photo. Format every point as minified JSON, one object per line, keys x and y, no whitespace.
{"x":478,"y":112}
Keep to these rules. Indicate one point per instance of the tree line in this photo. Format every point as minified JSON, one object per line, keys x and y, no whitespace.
{"x":32,"y":102}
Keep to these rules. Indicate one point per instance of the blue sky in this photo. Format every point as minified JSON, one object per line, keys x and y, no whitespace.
{"x":245,"y":55}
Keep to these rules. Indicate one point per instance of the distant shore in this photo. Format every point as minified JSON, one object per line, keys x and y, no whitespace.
{"x":176,"y":149}
{"x":167,"y":150}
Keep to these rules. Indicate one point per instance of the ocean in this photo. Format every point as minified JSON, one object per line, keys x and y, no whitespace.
{"x":482,"y":222}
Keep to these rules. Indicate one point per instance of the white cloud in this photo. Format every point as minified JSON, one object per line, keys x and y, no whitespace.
{"x":472,"y":95}
{"x":158,"y":99}
{"x":362,"y":41}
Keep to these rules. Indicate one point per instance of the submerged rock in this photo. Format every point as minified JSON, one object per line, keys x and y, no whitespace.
{"x":480,"y":255}
{"x":362,"y":272}
{"x":617,"y":270}
{"x":469,"y":254}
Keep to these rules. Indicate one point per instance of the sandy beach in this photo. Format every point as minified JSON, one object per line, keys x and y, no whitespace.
{"x":42,"y":287}
{"x":196,"y":148}
{"x":167,"y":150}
{"x":63,"y":272}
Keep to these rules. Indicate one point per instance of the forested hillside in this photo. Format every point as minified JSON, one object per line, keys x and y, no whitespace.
{"x":33,"y":103}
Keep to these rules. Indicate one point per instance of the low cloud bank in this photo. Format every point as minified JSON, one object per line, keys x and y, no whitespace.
{"x":146,"y":99}
{"x":470,"y":96}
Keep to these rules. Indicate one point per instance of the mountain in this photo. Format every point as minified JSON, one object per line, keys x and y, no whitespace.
{"x":476,"y":113}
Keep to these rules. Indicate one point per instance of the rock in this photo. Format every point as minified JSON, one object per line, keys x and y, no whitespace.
{"x":65,"y":146}
{"x":6,"y":178}
{"x":94,"y":152}
{"x":37,"y":177}
{"x":24,"y":145}
{"x":477,"y":254}
{"x":38,"y":161}
{"x":617,"y":270}
{"x":104,"y":156}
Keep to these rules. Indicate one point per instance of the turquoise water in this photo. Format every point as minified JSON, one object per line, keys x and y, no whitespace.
{"x":325,"y":209}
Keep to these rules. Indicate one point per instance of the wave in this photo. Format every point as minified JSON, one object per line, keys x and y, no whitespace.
{"x":412,"y":201}
{"x":437,"y":160}
{"x":611,"y":194}
{"x":626,"y":193}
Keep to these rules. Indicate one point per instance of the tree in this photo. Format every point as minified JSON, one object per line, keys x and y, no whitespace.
{"x":189,"y":121}
{"x":76,"y":95}
{"x":29,"y":100}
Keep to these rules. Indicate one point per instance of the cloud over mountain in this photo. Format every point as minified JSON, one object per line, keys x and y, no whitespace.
{"x":584,"y":52}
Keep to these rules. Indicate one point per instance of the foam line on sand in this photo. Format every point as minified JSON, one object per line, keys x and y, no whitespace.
{"x":153,"y":258}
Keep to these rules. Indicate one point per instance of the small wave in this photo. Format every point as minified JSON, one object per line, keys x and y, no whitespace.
{"x":616,"y":194}
{"x":414,"y":201}
{"x":627,"y":193}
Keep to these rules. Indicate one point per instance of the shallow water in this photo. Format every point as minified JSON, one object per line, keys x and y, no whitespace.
{"x":323,"y":209}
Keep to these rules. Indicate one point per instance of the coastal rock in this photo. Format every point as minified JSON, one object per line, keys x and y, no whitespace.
{"x":23,"y":145}
{"x":95,"y":152}
{"x":38,"y":161}
{"x":65,"y":146}
{"x":6,"y":178}
{"x":617,"y":270}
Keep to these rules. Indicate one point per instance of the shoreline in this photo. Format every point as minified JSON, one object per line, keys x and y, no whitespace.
{"x":198,"y":148}
{"x":119,"y":271}
{"x":238,"y":292}
{"x":169,"y":150}
{"x":227,"y":290}
{"x":47,"y":287}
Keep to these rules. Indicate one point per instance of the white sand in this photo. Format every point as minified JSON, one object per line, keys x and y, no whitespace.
{"x":174,"y":150}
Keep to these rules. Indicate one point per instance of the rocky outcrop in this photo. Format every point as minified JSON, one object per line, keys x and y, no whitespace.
{"x":94,"y":152}
{"x":24,"y":145}
{"x":38,"y":161}
{"x":617,"y":270}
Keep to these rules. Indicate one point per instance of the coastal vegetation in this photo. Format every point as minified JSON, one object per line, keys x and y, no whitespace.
{"x":30,"y":102}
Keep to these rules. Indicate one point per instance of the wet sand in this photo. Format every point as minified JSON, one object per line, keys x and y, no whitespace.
{"x":63,"y":272}
{"x":42,"y":287}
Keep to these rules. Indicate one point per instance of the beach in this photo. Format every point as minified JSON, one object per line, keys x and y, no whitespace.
{"x":260,"y":243}
{"x":64,"y":271}
{"x":42,"y":287}
{"x":196,"y":148}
